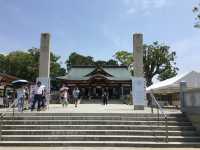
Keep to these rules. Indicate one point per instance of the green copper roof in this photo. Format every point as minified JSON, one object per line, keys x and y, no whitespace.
{"x":80,"y":72}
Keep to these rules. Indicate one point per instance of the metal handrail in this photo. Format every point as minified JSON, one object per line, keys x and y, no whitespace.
{"x":12,"y":106}
{"x":160,"y":109}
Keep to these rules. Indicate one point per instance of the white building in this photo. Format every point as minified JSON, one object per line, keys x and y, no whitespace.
{"x":167,"y":91}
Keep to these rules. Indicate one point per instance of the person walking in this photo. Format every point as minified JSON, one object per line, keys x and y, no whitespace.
{"x":43,"y":100}
{"x":39,"y":91}
{"x":105,"y":97}
{"x":64,"y":95}
{"x":20,"y":98}
{"x":76,"y":95}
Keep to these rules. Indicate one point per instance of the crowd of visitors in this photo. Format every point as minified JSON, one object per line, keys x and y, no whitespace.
{"x":64,"y":96}
{"x":76,"y":96}
{"x":38,"y":96}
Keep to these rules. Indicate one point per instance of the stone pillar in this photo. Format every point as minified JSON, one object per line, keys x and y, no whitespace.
{"x":183,"y":87}
{"x":44,"y":69}
{"x":44,"y":63}
{"x":138,"y":82}
{"x":138,"y":55}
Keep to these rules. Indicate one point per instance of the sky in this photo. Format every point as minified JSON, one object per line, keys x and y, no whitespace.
{"x":99,"y":28}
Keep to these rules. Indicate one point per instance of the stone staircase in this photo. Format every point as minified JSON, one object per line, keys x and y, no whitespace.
{"x":97,"y":129}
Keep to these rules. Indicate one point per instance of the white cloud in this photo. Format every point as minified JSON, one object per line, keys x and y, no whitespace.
{"x":110,"y":35}
{"x":145,"y":6}
{"x":131,"y":11}
{"x":187,"y":53}
{"x":159,"y":3}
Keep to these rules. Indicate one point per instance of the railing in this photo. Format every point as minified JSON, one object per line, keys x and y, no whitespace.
{"x":159,"y":110}
{"x":11,"y":107}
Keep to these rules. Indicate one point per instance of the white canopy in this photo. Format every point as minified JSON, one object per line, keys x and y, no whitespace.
{"x":172,"y":85}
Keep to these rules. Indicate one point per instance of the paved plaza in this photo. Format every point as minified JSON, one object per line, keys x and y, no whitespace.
{"x":90,"y":148}
{"x":113,"y":107}
{"x":99,"y":108}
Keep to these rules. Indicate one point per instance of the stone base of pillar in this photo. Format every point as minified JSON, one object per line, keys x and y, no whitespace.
{"x":138,"y":107}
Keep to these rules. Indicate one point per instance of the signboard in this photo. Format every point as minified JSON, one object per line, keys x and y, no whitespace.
{"x":138,"y":90}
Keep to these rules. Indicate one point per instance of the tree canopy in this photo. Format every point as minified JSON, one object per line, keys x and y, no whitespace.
{"x":124,"y":57}
{"x":158,"y":60}
{"x":196,"y":10}
{"x":78,"y":59}
{"x":25,"y":64}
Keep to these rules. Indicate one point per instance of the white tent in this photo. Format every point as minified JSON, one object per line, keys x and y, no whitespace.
{"x":172,"y":85}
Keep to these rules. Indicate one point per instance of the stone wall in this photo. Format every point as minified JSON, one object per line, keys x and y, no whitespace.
{"x":195,"y":119}
{"x":190,"y":100}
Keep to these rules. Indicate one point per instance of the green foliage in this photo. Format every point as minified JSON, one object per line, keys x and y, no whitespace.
{"x":196,"y":11}
{"x":2,"y":63}
{"x":112,"y":62}
{"x":106,"y":63}
{"x":78,"y":59}
{"x":100,"y":62}
{"x":19,"y":64}
{"x":157,"y":61}
{"x":25,"y":64}
{"x":124,"y":57}
{"x":167,"y":73}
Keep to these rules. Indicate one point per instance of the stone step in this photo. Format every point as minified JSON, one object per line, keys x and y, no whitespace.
{"x":98,"y":132}
{"x":94,"y":127}
{"x":101,"y":144}
{"x":97,"y":129}
{"x":98,"y":138}
{"x":94,"y":118}
{"x":92,"y":122}
{"x":93,"y":114}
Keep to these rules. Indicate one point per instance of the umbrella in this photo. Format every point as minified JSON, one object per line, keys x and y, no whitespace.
{"x":64,"y":88}
{"x":19,"y":82}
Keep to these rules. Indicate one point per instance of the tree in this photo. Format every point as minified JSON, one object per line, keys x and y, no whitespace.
{"x":124,"y":57}
{"x":169,"y":72}
{"x":19,"y":64}
{"x":25,"y":64}
{"x":78,"y":59}
{"x":196,"y":10}
{"x":2,"y":63}
{"x":157,"y":61}
{"x":112,"y":62}
{"x":100,"y":62}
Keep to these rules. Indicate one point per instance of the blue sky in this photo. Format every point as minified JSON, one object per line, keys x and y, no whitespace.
{"x":101,"y":27}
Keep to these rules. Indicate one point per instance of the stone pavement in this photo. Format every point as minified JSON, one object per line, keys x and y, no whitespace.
{"x":97,"y":108}
{"x":91,"y":148}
